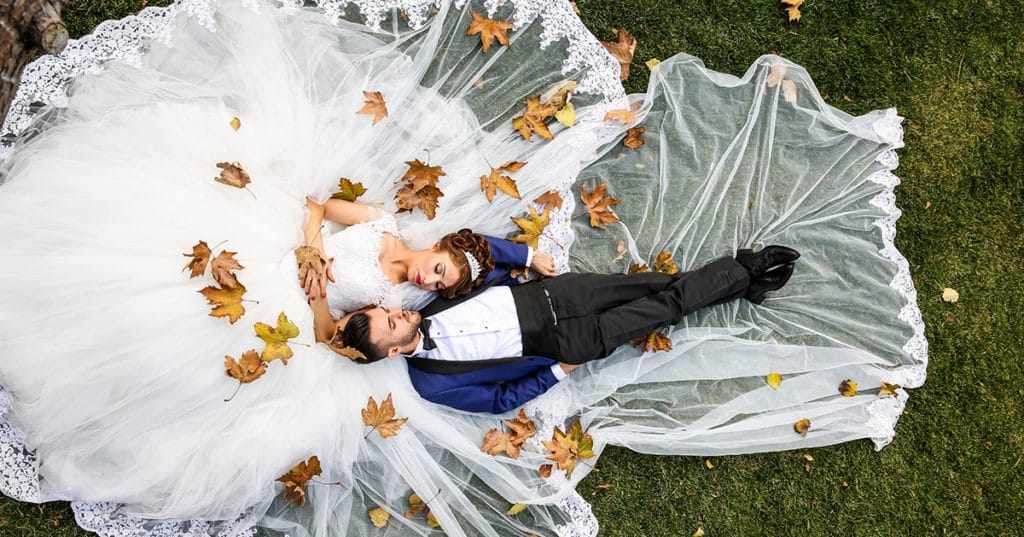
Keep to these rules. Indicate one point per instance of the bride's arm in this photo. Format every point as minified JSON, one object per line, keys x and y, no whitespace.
{"x":343,"y":212}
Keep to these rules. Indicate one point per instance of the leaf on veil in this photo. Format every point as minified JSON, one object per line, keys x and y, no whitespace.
{"x":277,"y":338}
{"x":665,"y":264}
{"x":792,"y":9}
{"x":295,"y":480}
{"x":348,"y":191}
{"x":379,"y":517}
{"x":653,"y":342}
{"x":622,"y":115}
{"x":848,"y":388}
{"x":522,"y":427}
{"x":491,"y":184}
{"x":534,"y":119}
{"x":599,"y":206}
{"x":622,"y":49}
{"x":549,"y":200}
{"x":200,"y":257}
{"x":532,"y":227}
{"x":432,"y":520}
{"x":236,"y":123}
{"x":247,"y":369}
{"x":638,"y":267}
{"x":420,"y":174}
{"x":382,"y":419}
{"x":223,"y":269}
{"x":516,"y":509}
{"x":886,"y":389}
{"x":567,"y":115}
{"x":635,"y":138}
{"x":774,"y":380}
{"x":489,"y":30}
{"x":564,"y":449}
{"x":232,"y":174}
{"x":374,"y":105}
{"x":416,"y":506}
{"x":497,"y":441}
{"x":227,"y":302}
{"x":802,"y":426}
{"x":420,"y":189}
{"x":544,"y":471}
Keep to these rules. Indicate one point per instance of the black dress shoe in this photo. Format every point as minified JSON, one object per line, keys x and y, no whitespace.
{"x":767,"y":259}
{"x":772,"y":280}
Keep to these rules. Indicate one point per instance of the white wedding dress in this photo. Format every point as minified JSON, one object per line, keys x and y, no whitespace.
{"x":112,"y":380}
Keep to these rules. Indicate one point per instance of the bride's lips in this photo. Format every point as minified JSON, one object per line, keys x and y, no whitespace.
{"x":418,"y":279}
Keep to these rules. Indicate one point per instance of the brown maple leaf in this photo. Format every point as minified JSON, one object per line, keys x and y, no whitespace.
{"x":565,"y":449}
{"x":232,"y":174}
{"x":638,"y":267}
{"x":227,"y":302}
{"x":421,"y":174}
{"x":374,"y":105}
{"x":544,"y":470}
{"x":599,"y":206}
{"x":247,"y":369}
{"x":534,"y":119}
{"x":496,"y":441}
{"x":635,"y":138}
{"x":223,"y":268}
{"x":416,"y":506}
{"x":653,"y":342}
{"x":426,"y":199}
{"x":665,"y":264}
{"x":622,"y":115}
{"x":622,"y":50}
{"x":295,"y":480}
{"x":382,"y":419}
{"x":489,"y":30}
{"x":490,"y":184}
{"x":348,"y":191}
{"x":200,"y":257}
{"x":801,"y":426}
{"x":532,"y":227}
{"x":549,"y":200}
{"x":522,"y":428}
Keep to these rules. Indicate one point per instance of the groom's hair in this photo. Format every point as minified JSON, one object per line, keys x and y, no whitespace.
{"x":357,"y":335}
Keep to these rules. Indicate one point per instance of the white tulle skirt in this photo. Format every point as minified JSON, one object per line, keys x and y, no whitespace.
{"x":112,"y":383}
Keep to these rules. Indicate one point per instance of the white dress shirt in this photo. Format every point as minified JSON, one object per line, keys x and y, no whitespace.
{"x":485,"y":327}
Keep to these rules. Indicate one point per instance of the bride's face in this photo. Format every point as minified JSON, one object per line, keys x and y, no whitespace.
{"x":433,"y":270}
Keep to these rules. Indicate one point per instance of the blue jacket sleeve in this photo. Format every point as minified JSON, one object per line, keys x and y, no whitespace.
{"x":495,"y":397}
{"x":507,"y":255}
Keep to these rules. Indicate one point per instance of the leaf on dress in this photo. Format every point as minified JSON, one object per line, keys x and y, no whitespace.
{"x":531,"y":227}
{"x":382,"y":419}
{"x":848,"y":388}
{"x":227,"y":302}
{"x":200,"y":257}
{"x":489,"y":30}
{"x":223,"y":268}
{"x":276,"y":338}
{"x":622,"y":49}
{"x":232,"y":174}
{"x":374,"y":105}
{"x":792,"y":9}
{"x":379,"y":517}
{"x":599,"y":206}
{"x":549,"y":200}
{"x":533,"y":120}
{"x":635,"y":138}
{"x":348,"y":191}
{"x":247,"y":369}
{"x":295,"y":480}
{"x":491,"y":184}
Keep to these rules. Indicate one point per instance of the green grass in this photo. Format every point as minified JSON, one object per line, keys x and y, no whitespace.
{"x":955,"y":70}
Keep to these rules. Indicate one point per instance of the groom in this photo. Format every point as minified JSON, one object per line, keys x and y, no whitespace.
{"x":500,"y":347}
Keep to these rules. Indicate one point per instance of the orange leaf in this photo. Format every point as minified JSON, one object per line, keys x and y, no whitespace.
{"x":200,"y":257}
{"x":622,"y":50}
{"x":544,"y":471}
{"x":599,"y":206}
{"x":638,"y":267}
{"x":420,"y":174}
{"x":232,"y":174}
{"x":223,"y":269}
{"x":490,"y":184}
{"x":496,"y":442}
{"x":295,"y":480}
{"x":549,"y":200}
{"x":653,"y":342}
{"x":534,"y":119}
{"x":522,"y":428}
{"x":383,"y":418}
{"x":802,"y":426}
{"x":489,"y":30}
{"x":226,"y":302}
{"x":374,"y":105}
{"x":635,"y":138}
{"x":247,"y":369}
{"x":793,"y":9}
{"x":623,"y":115}
{"x":664,"y":263}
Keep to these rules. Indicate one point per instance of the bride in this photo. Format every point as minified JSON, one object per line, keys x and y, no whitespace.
{"x":113,"y":385}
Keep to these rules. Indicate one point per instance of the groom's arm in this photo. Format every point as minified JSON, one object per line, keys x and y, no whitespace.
{"x":494,"y":397}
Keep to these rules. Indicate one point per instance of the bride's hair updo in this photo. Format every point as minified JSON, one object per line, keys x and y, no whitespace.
{"x":456,"y":244}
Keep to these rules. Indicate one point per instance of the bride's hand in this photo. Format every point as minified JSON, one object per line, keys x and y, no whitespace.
{"x":316,"y":282}
{"x":543,"y":263}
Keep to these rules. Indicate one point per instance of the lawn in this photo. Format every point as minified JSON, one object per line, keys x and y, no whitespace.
{"x":955,"y":70}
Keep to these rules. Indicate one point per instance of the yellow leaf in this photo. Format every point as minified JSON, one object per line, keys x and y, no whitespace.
{"x":567,"y":115}
{"x":277,"y":338}
{"x":774,"y":380}
{"x":665,"y":264}
{"x":793,"y":9}
{"x":532,"y":227}
{"x":950,"y":295}
{"x":708,"y":464}
{"x":379,"y":517}
{"x":236,"y":123}
{"x":416,"y":506}
{"x":516,"y":509}
{"x":348,"y":191}
{"x":802,"y":426}
{"x":653,"y":342}
{"x":652,"y":63}
{"x":432,"y":520}
{"x":848,"y":388}
{"x":491,"y":184}
{"x":887,"y":389}
{"x":698,"y":533}
{"x":227,"y":301}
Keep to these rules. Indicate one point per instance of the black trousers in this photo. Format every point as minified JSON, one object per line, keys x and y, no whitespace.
{"x":578,"y":317}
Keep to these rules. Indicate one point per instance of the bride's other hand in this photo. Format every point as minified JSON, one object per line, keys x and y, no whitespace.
{"x":544,"y":264}
{"x":315,"y":284}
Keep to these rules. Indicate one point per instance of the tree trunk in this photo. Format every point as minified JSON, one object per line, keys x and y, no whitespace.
{"x":28,"y":29}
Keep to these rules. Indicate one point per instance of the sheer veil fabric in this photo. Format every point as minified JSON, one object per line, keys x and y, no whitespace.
{"x":112,"y":382}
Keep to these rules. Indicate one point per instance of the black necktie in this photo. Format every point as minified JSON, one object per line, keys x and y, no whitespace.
{"x":428,"y":344}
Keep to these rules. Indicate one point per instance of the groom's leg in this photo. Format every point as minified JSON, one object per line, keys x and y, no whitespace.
{"x":592,"y":337}
{"x":578,"y":294}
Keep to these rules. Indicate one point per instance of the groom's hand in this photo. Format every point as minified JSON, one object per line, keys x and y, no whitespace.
{"x":568,"y":367}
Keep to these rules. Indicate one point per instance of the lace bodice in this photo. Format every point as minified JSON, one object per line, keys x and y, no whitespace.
{"x":359,"y":279}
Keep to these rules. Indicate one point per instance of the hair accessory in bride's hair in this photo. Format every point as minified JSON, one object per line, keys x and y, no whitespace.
{"x":474,"y":266}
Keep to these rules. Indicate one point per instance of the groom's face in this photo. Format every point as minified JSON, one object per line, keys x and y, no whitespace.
{"x":393,"y":331}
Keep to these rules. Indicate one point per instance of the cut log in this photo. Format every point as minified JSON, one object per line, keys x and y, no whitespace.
{"x":28,"y":29}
